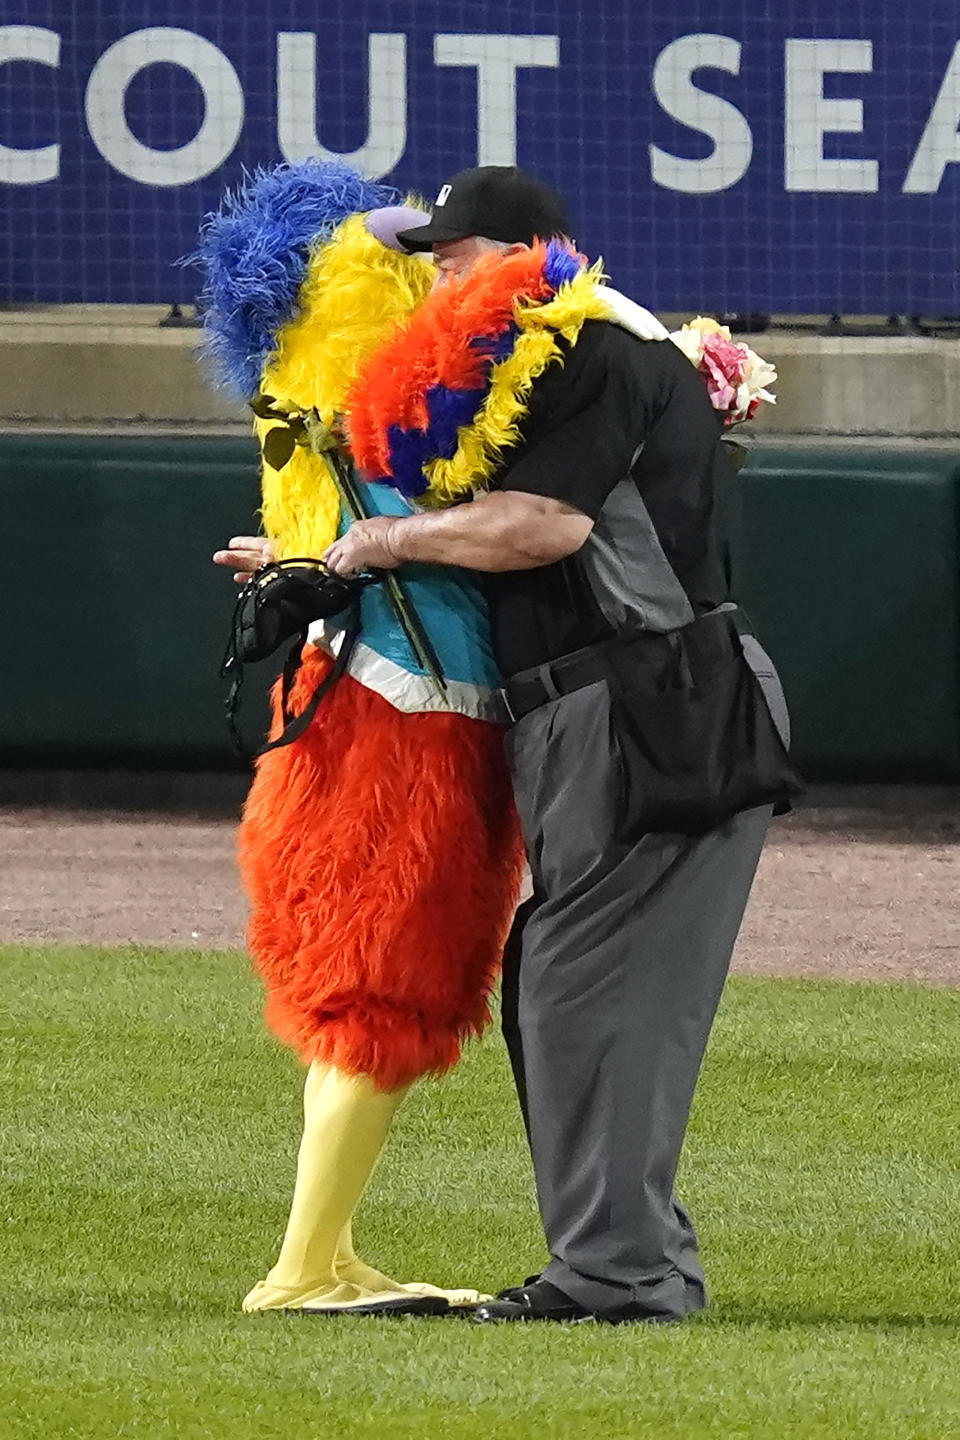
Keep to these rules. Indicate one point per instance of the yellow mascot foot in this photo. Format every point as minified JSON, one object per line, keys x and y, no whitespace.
{"x":382,"y":1296}
{"x":335,"y":1295}
{"x":357,"y":1272}
{"x":342,"y":1299}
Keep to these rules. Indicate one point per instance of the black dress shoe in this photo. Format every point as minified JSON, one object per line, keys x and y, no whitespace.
{"x":512,"y":1291}
{"x":537,"y":1301}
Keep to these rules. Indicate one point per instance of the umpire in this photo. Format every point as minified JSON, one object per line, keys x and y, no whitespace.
{"x":647,"y":752}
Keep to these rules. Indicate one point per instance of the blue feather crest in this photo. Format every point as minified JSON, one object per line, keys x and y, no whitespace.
{"x":253,"y":253}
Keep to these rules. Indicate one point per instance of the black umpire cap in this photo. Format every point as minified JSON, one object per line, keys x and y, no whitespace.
{"x":501,"y":202}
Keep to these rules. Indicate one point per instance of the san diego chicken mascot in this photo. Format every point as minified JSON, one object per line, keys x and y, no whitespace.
{"x":380,"y":850}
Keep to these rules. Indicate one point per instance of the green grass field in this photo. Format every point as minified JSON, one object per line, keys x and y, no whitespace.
{"x":149,"y":1132}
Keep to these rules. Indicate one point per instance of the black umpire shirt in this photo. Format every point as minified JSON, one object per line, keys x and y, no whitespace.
{"x":625,"y":432}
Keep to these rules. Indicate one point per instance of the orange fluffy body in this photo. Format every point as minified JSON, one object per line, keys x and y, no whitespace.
{"x":381,"y":854}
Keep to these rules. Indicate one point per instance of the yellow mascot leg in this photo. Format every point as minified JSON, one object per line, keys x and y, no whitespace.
{"x":346,"y":1120}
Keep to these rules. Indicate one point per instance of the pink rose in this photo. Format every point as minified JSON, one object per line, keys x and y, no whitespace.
{"x":722,"y":365}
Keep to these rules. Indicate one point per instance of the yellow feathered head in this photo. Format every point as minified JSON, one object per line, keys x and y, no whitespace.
{"x":304,"y":277}
{"x":355,"y":291}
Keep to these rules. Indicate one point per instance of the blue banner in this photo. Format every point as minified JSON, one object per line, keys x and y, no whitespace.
{"x":722,"y":156}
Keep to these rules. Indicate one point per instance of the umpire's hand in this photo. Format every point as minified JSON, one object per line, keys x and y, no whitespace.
{"x":246,"y":553}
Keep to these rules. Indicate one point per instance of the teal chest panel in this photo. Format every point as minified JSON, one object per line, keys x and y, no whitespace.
{"x":449,"y":602}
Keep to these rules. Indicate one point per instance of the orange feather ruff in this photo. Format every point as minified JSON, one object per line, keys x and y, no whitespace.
{"x":382,"y":858}
{"x":437,"y":346}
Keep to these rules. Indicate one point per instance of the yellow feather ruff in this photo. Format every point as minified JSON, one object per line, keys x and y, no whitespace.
{"x":496,"y":426}
{"x":355,"y":291}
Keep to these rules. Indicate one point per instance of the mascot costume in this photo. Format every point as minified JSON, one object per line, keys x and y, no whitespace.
{"x":380,"y":850}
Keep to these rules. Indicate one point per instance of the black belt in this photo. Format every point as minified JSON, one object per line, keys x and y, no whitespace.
{"x":706,"y":638}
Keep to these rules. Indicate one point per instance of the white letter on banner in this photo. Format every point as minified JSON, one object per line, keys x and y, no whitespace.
{"x":497,"y":59}
{"x":809,"y":116}
{"x":386,"y":103}
{"x":940,"y":143}
{"x":42,"y":47}
{"x":106,"y":114}
{"x":698,"y":110}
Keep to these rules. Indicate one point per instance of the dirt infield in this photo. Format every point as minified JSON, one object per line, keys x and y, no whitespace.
{"x":861,"y":885}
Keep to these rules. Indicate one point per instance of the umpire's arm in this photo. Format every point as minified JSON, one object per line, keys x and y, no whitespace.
{"x":505,"y":530}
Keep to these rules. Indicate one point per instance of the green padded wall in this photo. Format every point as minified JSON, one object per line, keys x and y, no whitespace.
{"x":848,"y":562}
{"x":115,"y":619}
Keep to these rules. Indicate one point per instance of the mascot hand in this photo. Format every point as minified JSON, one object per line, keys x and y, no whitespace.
{"x":246,"y":553}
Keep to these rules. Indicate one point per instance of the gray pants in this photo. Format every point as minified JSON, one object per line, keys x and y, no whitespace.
{"x":611,"y":981}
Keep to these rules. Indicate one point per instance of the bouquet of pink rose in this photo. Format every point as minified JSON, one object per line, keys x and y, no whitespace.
{"x":737,"y":377}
